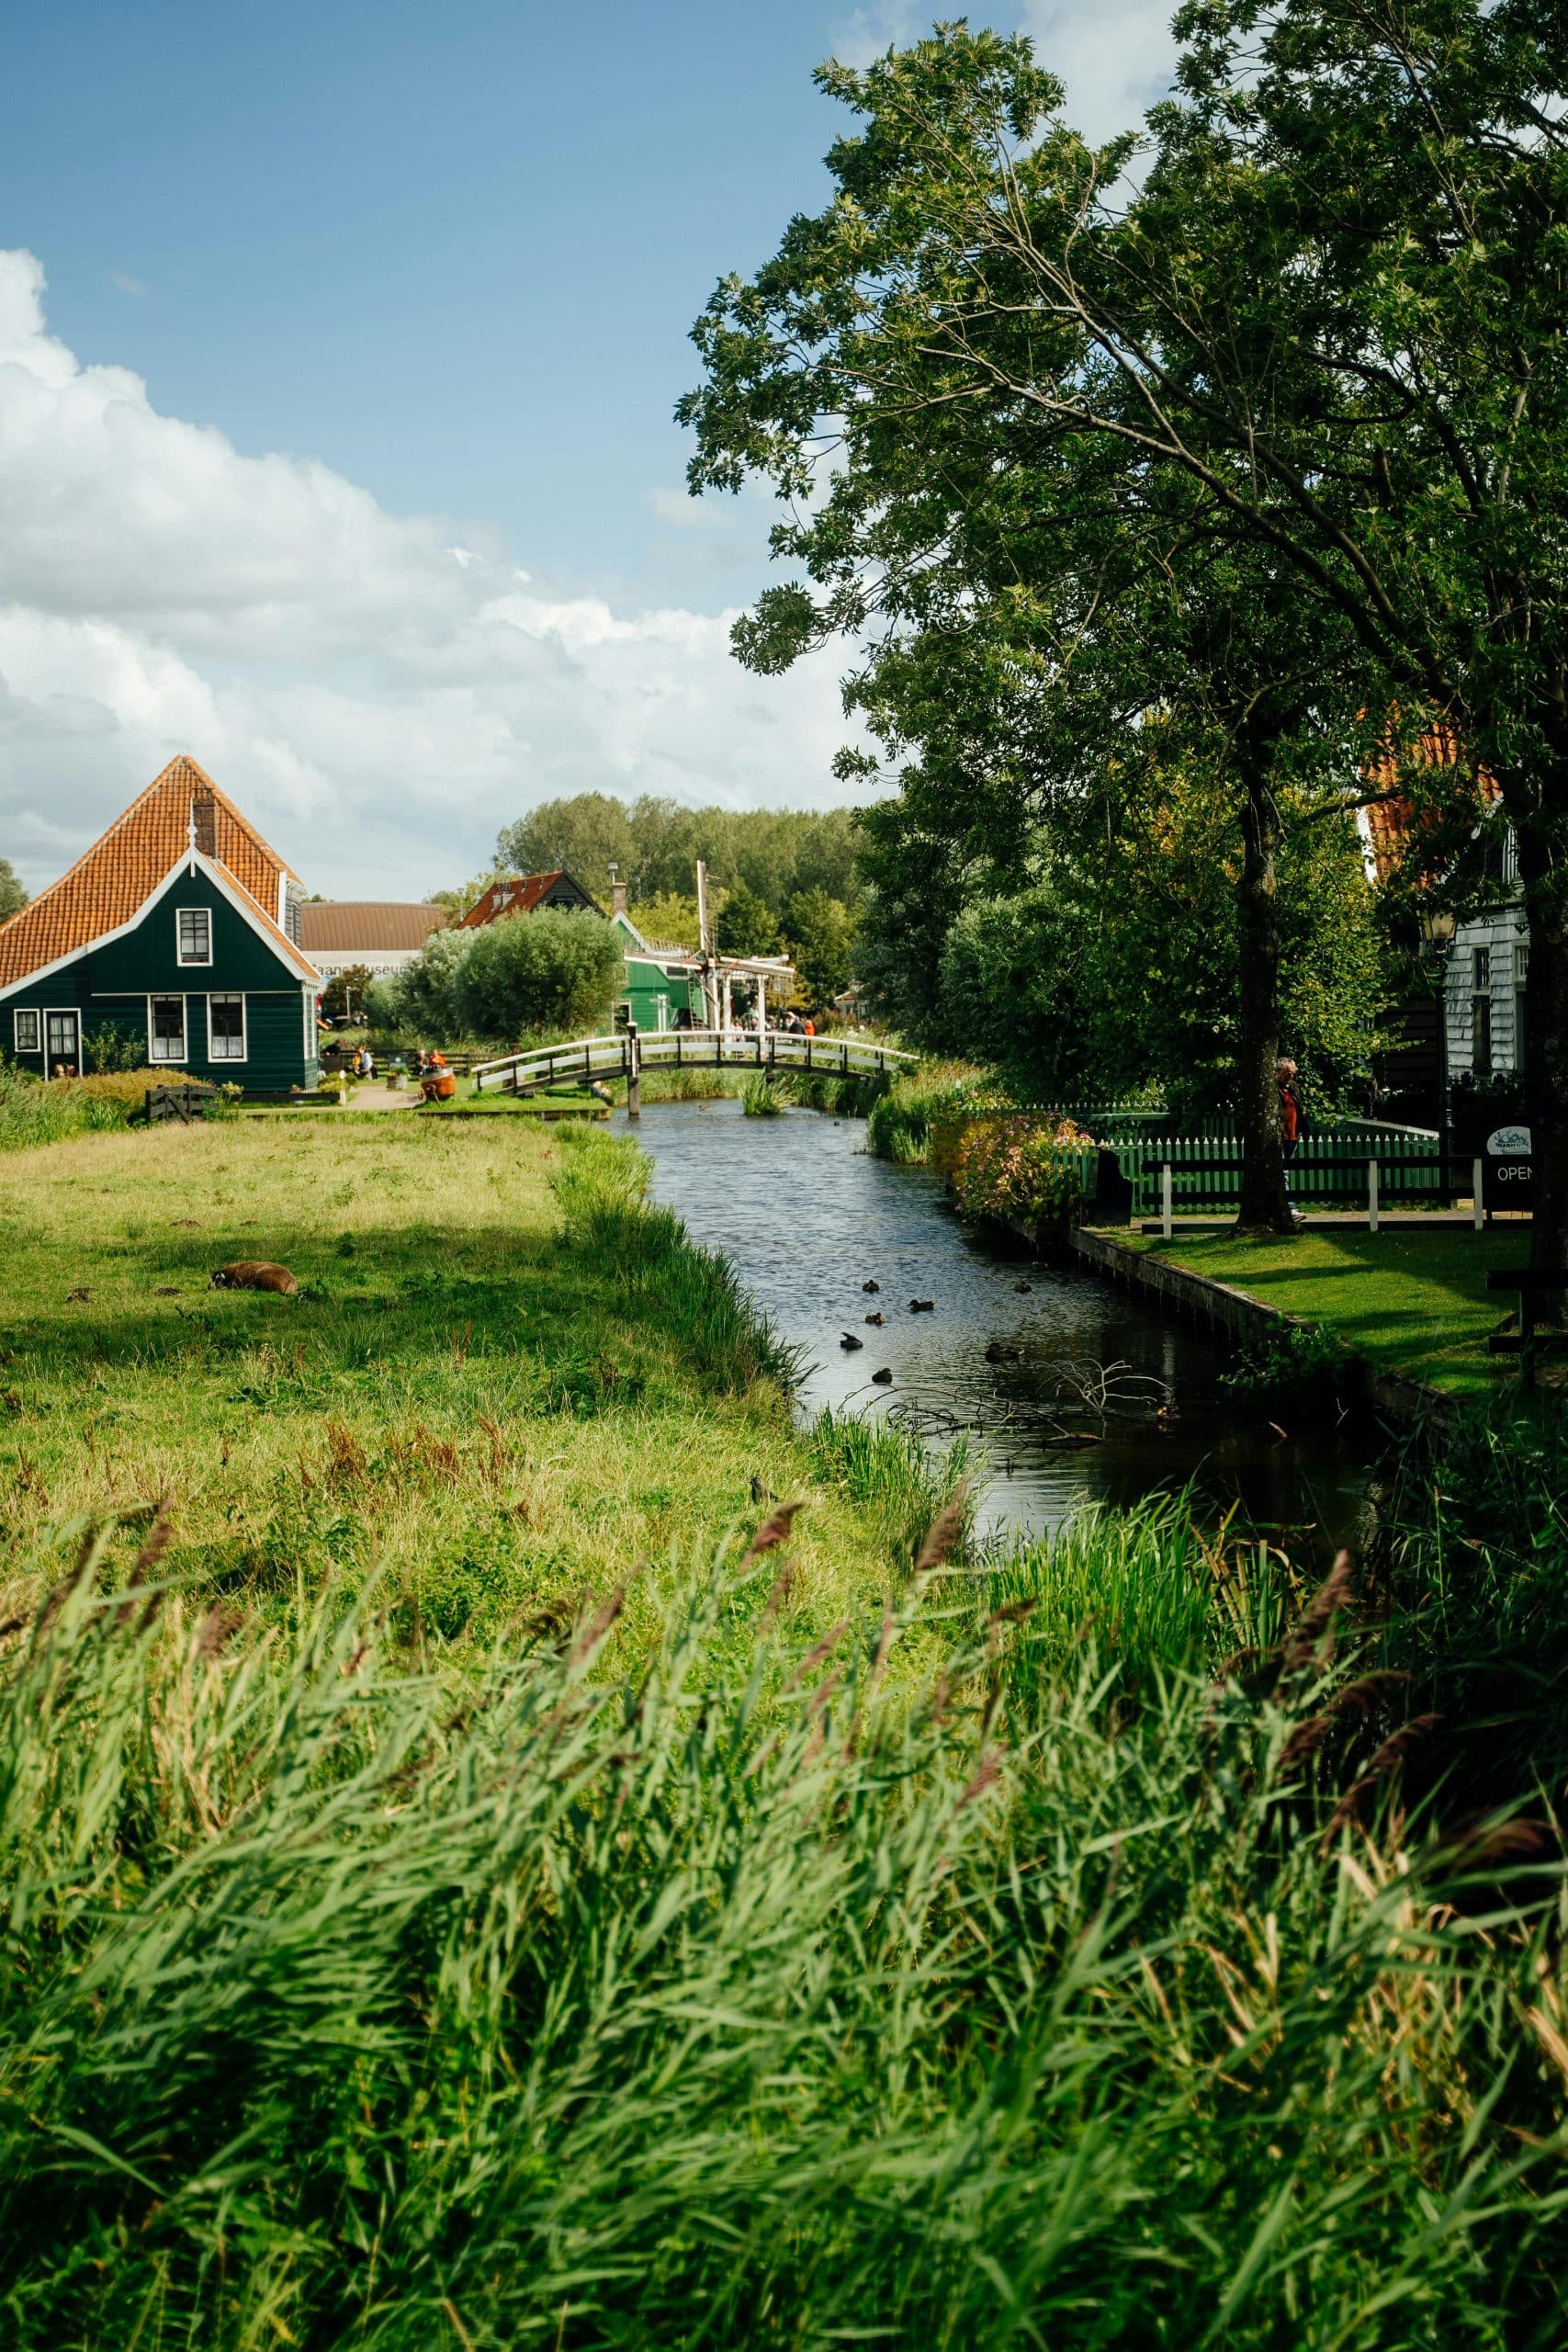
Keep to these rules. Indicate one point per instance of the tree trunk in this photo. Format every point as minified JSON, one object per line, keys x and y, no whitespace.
{"x":1265,"y":1204}
{"x":1546,"y":1044}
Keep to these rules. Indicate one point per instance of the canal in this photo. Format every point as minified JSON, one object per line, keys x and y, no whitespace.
{"x":1076,"y":1391}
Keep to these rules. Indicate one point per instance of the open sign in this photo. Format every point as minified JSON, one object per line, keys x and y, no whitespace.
{"x":1508,"y":1180}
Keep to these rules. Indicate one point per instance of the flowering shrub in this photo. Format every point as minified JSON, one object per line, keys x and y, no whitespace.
{"x":1020,"y":1167}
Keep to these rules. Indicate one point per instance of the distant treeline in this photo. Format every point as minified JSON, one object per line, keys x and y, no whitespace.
{"x":780,"y":880}
{"x":775,"y":852}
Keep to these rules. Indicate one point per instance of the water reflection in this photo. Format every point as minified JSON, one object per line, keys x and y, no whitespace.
{"x":807,"y":1219}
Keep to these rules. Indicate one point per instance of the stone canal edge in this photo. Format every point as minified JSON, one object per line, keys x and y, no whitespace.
{"x":1407,"y":1403}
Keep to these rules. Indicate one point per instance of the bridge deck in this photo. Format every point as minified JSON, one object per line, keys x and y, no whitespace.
{"x":585,"y":1060}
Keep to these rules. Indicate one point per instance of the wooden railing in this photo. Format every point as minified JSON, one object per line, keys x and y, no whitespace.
{"x":627,"y":1054}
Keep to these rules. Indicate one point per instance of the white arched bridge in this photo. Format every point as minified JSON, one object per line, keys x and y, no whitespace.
{"x":628,"y":1053}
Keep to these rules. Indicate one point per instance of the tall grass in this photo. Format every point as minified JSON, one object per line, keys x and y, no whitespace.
{"x":886,"y":1472}
{"x":748,"y":2001}
{"x":32,"y":1112}
{"x":898,"y":1125}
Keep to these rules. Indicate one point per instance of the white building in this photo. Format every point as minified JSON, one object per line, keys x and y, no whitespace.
{"x":381,"y":935}
{"x":1484,"y":985}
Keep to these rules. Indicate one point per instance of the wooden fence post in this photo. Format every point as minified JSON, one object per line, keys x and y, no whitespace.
{"x":1478,"y":1212}
{"x":633,"y":1074}
{"x":1372,"y":1197}
{"x":1167,"y":1227}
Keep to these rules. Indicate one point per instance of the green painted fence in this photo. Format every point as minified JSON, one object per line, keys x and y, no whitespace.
{"x":1329,"y":1171}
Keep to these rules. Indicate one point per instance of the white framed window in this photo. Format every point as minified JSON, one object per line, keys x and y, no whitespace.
{"x":62,"y":1040}
{"x":27,"y":1037}
{"x":166,"y":1029}
{"x":225,"y":1028}
{"x":192,"y":934}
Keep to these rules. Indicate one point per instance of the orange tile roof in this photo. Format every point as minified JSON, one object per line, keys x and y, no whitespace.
{"x":518,"y":896}
{"x":122,"y":870}
{"x":1391,"y":822}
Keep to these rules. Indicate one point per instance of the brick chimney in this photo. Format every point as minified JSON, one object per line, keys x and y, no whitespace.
{"x":617,"y":894}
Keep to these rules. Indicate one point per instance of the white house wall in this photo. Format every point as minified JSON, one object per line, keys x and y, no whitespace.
{"x":1503,"y":936}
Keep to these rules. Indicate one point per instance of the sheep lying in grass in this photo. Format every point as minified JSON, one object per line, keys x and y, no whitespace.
{"x":253,"y":1274}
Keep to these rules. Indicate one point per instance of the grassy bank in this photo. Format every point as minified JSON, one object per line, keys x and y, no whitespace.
{"x":461,"y":1894}
{"x":667,"y":1986}
{"x":501,"y":1380}
{"x":1412,"y":1298}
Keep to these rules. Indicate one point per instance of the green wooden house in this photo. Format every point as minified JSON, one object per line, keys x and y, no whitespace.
{"x":175,"y":938}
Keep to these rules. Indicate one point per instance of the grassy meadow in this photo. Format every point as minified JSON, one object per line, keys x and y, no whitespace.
{"x":501,"y":1383}
{"x":468,"y":1885}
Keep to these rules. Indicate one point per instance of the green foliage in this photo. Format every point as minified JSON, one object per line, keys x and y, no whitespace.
{"x":1263,"y":440}
{"x":13,"y":897}
{"x":760,"y":1098}
{"x":111,"y":1047}
{"x":747,"y":924}
{"x":1291,"y":1358}
{"x":583,"y":835}
{"x":668,"y":919}
{"x":1067,"y":2006}
{"x":820,"y":932}
{"x":553,"y":972}
{"x":358,"y":982}
{"x":776,"y":853}
{"x":423,"y":998}
{"x":900,"y":1123}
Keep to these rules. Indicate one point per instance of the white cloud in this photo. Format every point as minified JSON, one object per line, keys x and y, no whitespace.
{"x":379,"y":699}
{"x":1115,"y":56}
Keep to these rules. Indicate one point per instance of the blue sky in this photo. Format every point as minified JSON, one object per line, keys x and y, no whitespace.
{"x":444,"y":259}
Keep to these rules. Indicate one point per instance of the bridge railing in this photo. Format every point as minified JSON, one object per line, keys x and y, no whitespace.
{"x":583,"y":1059}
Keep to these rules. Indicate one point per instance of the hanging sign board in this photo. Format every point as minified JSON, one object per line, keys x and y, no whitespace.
{"x":1507,"y":1171}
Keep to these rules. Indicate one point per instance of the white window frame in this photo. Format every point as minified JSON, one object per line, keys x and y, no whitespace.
{"x":61,"y":1013}
{"x":192,"y":963}
{"x":228,"y":996}
{"x":20,"y":1013}
{"x":156,"y":1060}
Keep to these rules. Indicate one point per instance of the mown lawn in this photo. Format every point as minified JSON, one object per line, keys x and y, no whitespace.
{"x":1409,"y":1296}
{"x":498,"y":1388}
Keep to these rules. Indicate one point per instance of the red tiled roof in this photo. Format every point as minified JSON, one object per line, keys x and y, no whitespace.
{"x":346,"y":926}
{"x":518,"y":895}
{"x":122,"y":869}
{"x":1391,"y":823}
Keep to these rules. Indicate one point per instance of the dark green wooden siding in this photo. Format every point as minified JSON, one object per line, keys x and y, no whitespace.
{"x":109,"y":987}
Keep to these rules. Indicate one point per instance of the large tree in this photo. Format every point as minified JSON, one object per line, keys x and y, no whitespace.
{"x":1332,"y":308}
{"x":13,"y":897}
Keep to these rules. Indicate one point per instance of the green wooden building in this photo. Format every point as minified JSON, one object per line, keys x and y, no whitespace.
{"x":177,"y":937}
